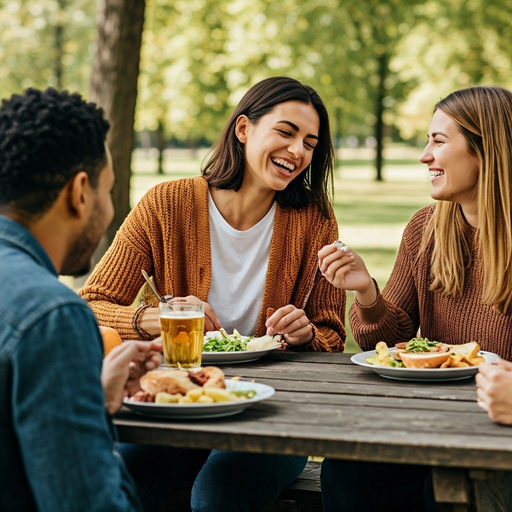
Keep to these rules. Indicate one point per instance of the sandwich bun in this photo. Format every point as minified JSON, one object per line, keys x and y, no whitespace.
{"x":180,"y":382}
{"x":174,"y":382}
{"x":424,"y":359}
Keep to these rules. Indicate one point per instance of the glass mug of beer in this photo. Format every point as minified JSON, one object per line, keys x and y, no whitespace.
{"x":182,"y":327}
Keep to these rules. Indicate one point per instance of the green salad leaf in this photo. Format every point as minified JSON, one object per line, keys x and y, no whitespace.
{"x":225,"y":342}
{"x":421,"y":345}
{"x":249,"y":393}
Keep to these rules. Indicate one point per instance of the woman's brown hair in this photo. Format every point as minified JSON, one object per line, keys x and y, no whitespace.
{"x":225,"y":165}
{"x":484,"y":117}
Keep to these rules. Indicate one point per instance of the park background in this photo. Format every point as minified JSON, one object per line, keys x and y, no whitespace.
{"x":169,"y":72}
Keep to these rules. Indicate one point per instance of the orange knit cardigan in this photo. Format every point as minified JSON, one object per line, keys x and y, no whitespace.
{"x":168,"y":235}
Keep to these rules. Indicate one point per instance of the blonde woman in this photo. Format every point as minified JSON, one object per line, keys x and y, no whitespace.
{"x":453,"y":273}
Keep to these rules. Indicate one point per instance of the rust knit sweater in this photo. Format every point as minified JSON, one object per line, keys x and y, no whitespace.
{"x":168,"y":235}
{"x":407,"y":304}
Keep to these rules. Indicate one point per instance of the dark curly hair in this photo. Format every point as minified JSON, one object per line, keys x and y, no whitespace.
{"x":225,"y":166}
{"x":46,"y":137}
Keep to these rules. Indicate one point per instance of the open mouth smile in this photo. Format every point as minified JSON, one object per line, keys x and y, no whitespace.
{"x":284,"y":164}
{"x":435,"y":174}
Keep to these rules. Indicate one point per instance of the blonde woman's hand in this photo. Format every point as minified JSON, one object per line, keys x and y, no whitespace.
{"x":345,"y":269}
{"x":292,"y":323}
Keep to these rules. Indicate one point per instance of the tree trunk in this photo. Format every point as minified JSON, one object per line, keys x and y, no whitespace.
{"x":379,"y":114}
{"x":160,"y":145}
{"x":114,"y":88}
{"x":338,"y":131}
{"x":59,"y":45}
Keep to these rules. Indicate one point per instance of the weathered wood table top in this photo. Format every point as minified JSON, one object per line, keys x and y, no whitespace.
{"x":326,"y":406}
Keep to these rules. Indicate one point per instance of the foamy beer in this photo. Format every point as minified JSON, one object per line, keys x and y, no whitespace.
{"x":182,"y":326}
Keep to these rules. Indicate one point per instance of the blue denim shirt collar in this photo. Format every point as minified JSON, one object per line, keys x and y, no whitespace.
{"x":15,"y":234}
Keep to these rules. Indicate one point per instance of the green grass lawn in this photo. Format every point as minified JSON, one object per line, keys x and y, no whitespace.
{"x":371,"y":215}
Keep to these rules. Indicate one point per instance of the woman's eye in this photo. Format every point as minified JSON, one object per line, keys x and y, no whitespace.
{"x":285,"y":132}
{"x":309,"y":145}
{"x":437,"y":141}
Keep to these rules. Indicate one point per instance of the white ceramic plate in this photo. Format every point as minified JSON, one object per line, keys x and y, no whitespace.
{"x":421,"y":374}
{"x":204,"y":411}
{"x":235,"y":357}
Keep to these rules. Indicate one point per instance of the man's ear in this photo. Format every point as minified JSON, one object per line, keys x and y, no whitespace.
{"x":241,"y":126}
{"x":78,"y":194}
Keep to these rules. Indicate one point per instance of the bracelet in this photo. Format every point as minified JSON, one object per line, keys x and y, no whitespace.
{"x":376,"y":300}
{"x":141,"y":333}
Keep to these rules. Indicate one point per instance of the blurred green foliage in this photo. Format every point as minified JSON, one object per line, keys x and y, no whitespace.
{"x":200,"y":56}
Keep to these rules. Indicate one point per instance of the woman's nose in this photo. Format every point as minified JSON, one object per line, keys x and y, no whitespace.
{"x":426,"y":155}
{"x":296,"y":148}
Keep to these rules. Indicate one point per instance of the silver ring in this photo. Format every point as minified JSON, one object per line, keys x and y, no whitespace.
{"x":341,"y":246}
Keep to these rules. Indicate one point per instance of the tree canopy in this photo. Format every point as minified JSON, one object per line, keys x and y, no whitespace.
{"x":378,"y":64}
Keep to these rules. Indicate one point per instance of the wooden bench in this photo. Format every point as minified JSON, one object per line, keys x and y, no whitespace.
{"x":303,"y":495}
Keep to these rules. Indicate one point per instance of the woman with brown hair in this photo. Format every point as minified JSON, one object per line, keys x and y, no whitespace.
{"x":453,"y":273}
{"x":243,"y":237}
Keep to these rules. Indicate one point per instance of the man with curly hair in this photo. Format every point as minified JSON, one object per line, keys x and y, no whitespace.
{"x":56,"y":436}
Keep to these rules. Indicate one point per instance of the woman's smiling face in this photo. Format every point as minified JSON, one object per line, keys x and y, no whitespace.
{"x":279,"y":146}
{"x":453,"y":169}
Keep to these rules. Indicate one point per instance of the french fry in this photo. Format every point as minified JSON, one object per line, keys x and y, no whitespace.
{"x":448,"y":363}
{"x":195,"y":394}
{"x":166,"y":398}
{"x":203,"y":399}
{"x":185,"y":400}
{"x":220,"y":395}
{"x":477,"y":360}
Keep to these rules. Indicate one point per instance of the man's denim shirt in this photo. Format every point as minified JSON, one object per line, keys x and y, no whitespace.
{"x":56,"y":440}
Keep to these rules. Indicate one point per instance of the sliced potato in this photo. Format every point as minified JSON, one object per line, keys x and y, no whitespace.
{"x":383,"y":352}
{"x":166,"y":398}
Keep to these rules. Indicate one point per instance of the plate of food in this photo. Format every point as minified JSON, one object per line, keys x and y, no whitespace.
{"x":423,"y":360}
{"x":200,"y":394}
{"x":219,"y":347}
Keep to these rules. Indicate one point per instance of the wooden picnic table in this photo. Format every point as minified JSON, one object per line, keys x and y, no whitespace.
{"x":326,"y":406}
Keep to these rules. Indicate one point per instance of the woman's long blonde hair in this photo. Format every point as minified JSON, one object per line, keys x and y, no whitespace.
{"x":484,"y":116}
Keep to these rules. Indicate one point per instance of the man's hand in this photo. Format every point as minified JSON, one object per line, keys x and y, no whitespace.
{"x":494,"y":390}
{"x":124,"y":366}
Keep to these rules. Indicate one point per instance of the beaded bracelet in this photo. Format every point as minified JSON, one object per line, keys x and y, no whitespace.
{"x":141,"y":333}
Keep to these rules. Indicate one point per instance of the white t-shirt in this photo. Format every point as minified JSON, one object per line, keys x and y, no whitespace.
{"x":239,"y":269}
